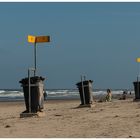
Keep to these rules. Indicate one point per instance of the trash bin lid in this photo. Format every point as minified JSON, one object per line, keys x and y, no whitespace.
{"x":86,"y":82}
{"x":32,"y":80}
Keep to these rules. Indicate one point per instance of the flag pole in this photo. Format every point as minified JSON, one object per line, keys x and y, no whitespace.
{"x":37,"y":39}
{"x":35,"y":58}
{"x":138,"y":78}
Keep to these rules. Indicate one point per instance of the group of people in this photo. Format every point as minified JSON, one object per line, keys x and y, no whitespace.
{"x":108,"y":97}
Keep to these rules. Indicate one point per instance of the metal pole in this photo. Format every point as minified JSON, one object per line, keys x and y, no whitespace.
{"x":138,"y":79}
{"x":84,"y":78}
{"x":29,"y":91}
{"x":83,"y":90}
{"x":29,"y":84}
{"x":35,"y":58}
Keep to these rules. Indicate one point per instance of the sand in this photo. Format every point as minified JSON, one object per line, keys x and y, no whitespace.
{"x":116,"y":119}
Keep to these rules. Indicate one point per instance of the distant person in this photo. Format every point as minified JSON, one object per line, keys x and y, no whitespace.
{"x":45,"y":95}
{"x":108,"y":96}
{"x":123,"y":96}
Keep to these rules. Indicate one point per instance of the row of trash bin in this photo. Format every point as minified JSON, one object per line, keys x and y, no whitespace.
{"x":37,"y":92}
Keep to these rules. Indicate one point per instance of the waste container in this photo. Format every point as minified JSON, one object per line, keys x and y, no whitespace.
{"x":137,"y":89}
{"x":36,"y":93}
{"x":85,"y":92}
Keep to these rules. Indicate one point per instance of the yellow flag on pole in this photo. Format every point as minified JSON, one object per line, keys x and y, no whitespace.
{"x":138,"y":60}
{"x":31,"y":39}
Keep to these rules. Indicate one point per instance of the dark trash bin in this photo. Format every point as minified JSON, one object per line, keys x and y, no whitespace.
{"x":36,"y":93}
{"x":137,"y":90}
{"x":86,"y":97}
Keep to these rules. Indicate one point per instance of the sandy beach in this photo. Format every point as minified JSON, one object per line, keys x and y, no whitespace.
{"x":116,"y":119}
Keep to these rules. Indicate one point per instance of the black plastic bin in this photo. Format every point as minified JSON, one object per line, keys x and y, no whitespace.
{"x":36,"y":93}
{"x":137,"y":89}
{"x":87,"y":97}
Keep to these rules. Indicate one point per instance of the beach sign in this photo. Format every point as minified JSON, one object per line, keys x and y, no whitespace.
{"x":31,"y":39}
{"x":38,"y":39}
{"x":138,"y":60}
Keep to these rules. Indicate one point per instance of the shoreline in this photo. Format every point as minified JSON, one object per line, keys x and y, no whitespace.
{"x":95,"y":98}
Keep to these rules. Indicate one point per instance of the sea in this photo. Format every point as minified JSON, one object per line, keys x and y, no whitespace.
{"x":18,"y":95}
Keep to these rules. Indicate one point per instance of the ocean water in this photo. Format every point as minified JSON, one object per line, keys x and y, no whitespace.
{"x":18,"y":95}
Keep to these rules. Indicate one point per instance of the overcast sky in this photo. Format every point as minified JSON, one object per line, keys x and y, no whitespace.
{"x":98,"y":40}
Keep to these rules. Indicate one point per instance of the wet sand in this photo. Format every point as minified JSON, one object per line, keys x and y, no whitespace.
{"x":116,"y":119}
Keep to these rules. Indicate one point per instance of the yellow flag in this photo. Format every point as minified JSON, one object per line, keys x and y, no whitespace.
{"x":138,"y":60}
{"x":40,"y":39}
{"x":31,"y":39}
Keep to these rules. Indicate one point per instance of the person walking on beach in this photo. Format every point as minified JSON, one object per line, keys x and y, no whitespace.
{"x":108,"y":96}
